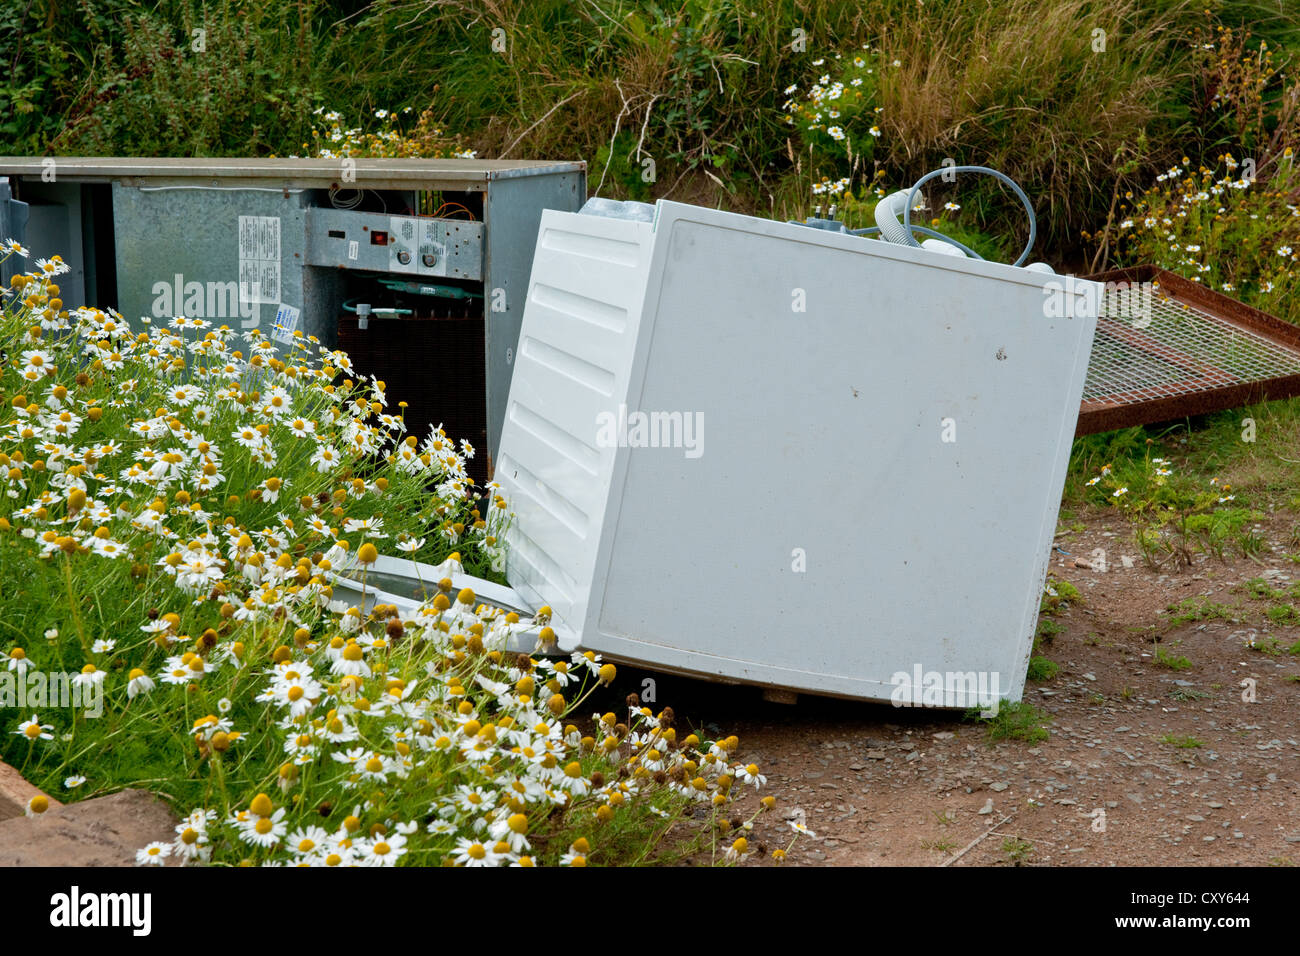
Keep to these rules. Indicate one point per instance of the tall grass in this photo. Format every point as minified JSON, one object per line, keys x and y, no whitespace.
{"x":695,"y":87}
{"x":1055,"y":94}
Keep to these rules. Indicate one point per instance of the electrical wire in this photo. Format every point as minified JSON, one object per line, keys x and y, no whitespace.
{"x":437,"y":213}
{"x":355,"y":200}
{"x":353,"y":203}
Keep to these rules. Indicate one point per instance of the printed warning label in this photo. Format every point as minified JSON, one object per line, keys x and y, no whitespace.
{"x":286,"y":323}
{"x":259,"y":259}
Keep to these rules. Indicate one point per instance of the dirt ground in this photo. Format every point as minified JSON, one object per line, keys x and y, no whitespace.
{"x":1145,"y":764}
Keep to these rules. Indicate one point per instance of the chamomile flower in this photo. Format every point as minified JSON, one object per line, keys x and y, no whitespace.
{"x":18,"y":662}
{"x":307,"y":840}
{"x":739,"y":850}
{"x":33,"y":730}
{"x":264,"y":831}
{"x":155,"y":854}
{"x":138,"y":682}
{"x":90,"y":676}
{"x":471,"y":852}
{"x":383,"y":849}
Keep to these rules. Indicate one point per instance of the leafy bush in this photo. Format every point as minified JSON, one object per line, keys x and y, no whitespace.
{"x":696,"y":87}
{"x":210,"y":80}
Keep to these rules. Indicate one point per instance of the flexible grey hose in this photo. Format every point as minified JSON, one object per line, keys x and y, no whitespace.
{"x":894,"y":231}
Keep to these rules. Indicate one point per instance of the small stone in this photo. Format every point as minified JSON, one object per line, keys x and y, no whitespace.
{"x":944,"y":735}
{"x":875,"y":755}
{"x":987,"y":808}
{"x":999,"y":786}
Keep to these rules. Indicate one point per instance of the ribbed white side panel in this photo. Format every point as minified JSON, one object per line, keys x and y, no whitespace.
{"x":572,"y":364}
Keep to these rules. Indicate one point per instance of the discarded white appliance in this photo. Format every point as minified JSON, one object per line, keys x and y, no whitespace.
{"x":763,"y":453}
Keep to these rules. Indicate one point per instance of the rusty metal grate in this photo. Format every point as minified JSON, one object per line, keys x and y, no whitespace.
{"x":1186,"y":351}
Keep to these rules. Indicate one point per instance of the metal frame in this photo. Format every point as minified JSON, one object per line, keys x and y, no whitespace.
{"x":1205,"y":385}
{"x":451,"y":174}
{"x":163,"y":223}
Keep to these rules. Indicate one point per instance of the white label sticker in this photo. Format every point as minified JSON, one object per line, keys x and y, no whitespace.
{"x":286,"y":323}
{"x":259,"y":259}
{"x":353,"y":249}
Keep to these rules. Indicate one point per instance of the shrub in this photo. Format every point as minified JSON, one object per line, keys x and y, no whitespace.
{"x":212,"y":80}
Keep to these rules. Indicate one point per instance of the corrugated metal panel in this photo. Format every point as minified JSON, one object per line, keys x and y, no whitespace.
{"x":574,"y":355}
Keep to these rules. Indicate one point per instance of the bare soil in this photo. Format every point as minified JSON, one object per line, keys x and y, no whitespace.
{"x":1184,"y":766}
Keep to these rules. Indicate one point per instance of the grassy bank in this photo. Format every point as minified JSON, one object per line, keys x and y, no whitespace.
{"x":1074,"y":98}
